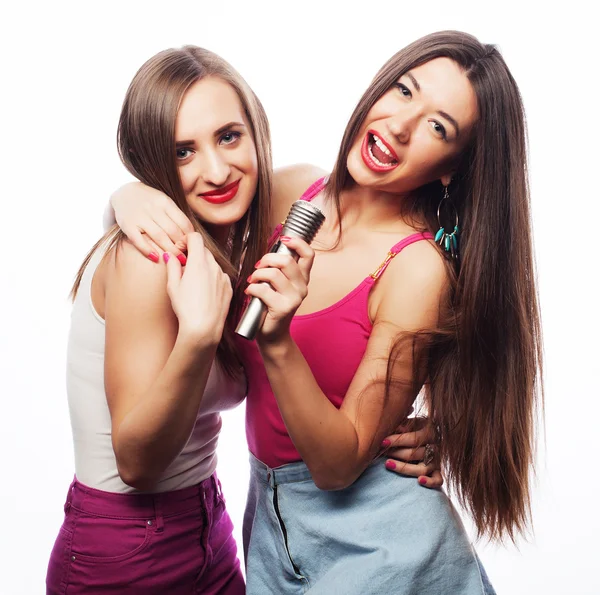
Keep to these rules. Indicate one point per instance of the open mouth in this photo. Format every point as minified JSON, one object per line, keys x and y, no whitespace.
{"x":377,"y":154}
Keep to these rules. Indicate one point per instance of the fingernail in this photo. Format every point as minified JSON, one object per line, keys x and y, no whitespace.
{"x":390,"y":465}
{"x":256,"y":265}
{"x":248,"y":279}
{"x":423,"y":481}
{"x":165,"y":257}
{"x":153,"y":256}
{"x":182,"y":259}
{"x":385,"y":443}
{"x":285,"y":238}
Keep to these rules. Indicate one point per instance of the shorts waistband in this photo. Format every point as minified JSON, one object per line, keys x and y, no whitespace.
{"x":290,"y":473}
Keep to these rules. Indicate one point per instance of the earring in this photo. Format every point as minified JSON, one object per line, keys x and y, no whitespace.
{"x":448,"y":241}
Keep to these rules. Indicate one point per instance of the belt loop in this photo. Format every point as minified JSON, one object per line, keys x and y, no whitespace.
{"x":218,"y":490}
{"x":69,"y":499}
{"x":158,"y":513}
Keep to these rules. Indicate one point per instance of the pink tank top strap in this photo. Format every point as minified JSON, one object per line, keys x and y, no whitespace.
{"x":308,"y":195}
{"x":397,"y":248}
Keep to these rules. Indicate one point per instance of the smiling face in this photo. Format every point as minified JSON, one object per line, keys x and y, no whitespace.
{"x":215,"y":153}
{"x":416,"y":132}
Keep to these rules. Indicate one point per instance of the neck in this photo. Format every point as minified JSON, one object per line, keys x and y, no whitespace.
{"x":371,"y":209}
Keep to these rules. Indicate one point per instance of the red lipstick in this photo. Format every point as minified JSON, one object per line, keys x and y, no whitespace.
{"x":221,"y":195}
{"x":367,"y":155}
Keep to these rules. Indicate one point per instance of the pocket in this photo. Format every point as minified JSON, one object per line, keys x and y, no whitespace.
{"x":100,"y":539}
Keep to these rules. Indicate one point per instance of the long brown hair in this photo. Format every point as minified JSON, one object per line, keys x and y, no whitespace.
{"x":146,"y":144}
{"x":483,"y":363}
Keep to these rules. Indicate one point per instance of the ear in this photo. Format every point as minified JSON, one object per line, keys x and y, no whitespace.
{"x":447,"y":178}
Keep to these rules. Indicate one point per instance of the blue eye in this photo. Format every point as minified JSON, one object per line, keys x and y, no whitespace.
{"x":183,"y":153}
{"x":404,"y":90}
{"x":230,"y":137}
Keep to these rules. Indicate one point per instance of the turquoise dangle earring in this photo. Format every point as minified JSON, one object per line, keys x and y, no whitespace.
{"x":448,"y":241}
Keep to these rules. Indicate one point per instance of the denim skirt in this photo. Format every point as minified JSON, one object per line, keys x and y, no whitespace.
{"x":384,"y":534}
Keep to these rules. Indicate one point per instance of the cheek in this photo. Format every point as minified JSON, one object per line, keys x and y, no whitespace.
{"x":248,"y":160}
{"x":428,"y":157}
{"x":187,"y":177}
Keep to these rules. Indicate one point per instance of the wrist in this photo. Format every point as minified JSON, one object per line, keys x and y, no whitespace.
{"x":199,"y":341}
{"x":276,"y":349}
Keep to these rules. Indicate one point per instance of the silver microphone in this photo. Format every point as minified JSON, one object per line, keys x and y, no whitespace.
{"x":303,"y":221}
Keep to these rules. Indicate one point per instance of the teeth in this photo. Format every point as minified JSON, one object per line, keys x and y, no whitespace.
{"x":382,"y":147}
{"x":377,"y":160}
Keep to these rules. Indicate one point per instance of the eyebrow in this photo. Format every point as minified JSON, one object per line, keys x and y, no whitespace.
{"x":225,"y":127}
{"x":451,"y":120}
{"x":445,"y":115}
{"x":414,"y":81}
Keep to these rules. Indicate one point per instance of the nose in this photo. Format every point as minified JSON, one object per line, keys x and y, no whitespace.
{"x":401,"y":125}
{"x":214,"y":169}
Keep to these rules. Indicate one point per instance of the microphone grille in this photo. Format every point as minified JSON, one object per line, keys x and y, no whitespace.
{"x":303,"y":220}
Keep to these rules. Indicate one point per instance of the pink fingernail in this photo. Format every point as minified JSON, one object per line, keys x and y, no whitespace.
{"x":248,"y":279}
{"x":285,"y":238}
{"x":256,"y":265}
{"x":385,"y":443}
{"x":165,"y":257}
{"x":390,"y":465}
{"x":153,"y":256}
{"x":423,"y":481}
{"x":182,"y":259}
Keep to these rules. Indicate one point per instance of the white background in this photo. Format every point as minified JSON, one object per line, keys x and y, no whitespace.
{"x":65,"y":69}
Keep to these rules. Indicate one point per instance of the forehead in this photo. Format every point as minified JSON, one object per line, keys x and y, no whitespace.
{"x":445,"y":85}
{"x":206,"y":106}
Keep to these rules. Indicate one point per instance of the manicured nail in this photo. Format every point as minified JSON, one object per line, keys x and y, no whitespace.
{"x":248,"y":279}
{"x":165,"y":257}
{"x":385,"y":443}
{"x":423,"y":481}
{"x":256,"y":265}
{"x":285,"y":238}
{"x":182,"y":259}
{"x":153,"y":256}
{"x":390,"y":465}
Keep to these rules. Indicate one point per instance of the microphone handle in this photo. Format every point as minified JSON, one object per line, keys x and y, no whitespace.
{"x":255,"y":313}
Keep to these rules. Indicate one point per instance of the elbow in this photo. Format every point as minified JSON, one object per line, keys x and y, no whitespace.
{"x":330,"y":481}
{"x":136,"y":477}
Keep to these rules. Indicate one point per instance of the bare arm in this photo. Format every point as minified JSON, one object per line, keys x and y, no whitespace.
{"x":160,"y":345}
{"x":337,"y":445}
{"x":143,"y":212}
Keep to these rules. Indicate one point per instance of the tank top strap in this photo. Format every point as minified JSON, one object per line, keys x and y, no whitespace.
{"x":397,"y":248}
{"x":312,"y":191}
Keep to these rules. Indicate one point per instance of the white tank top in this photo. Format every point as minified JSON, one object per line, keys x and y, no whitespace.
{"x":95,"y":463}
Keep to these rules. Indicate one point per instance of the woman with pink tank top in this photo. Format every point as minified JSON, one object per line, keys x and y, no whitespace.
{"x":423,"y":282}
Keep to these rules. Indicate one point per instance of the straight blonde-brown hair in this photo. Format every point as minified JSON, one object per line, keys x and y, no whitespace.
{"x":146,"y":145}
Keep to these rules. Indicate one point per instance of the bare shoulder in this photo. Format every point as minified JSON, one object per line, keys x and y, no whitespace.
{"x":413,"y":288}
{"x":133,"y":279}
{"x":289,"y":183}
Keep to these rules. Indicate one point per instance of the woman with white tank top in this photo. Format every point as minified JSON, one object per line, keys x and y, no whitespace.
{"x":151,"y":361}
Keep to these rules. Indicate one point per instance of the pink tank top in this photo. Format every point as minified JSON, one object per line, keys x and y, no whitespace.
{"x":333,"y":342}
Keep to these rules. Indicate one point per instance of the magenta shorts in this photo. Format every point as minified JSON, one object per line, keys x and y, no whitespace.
{"x":171,"y":543}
